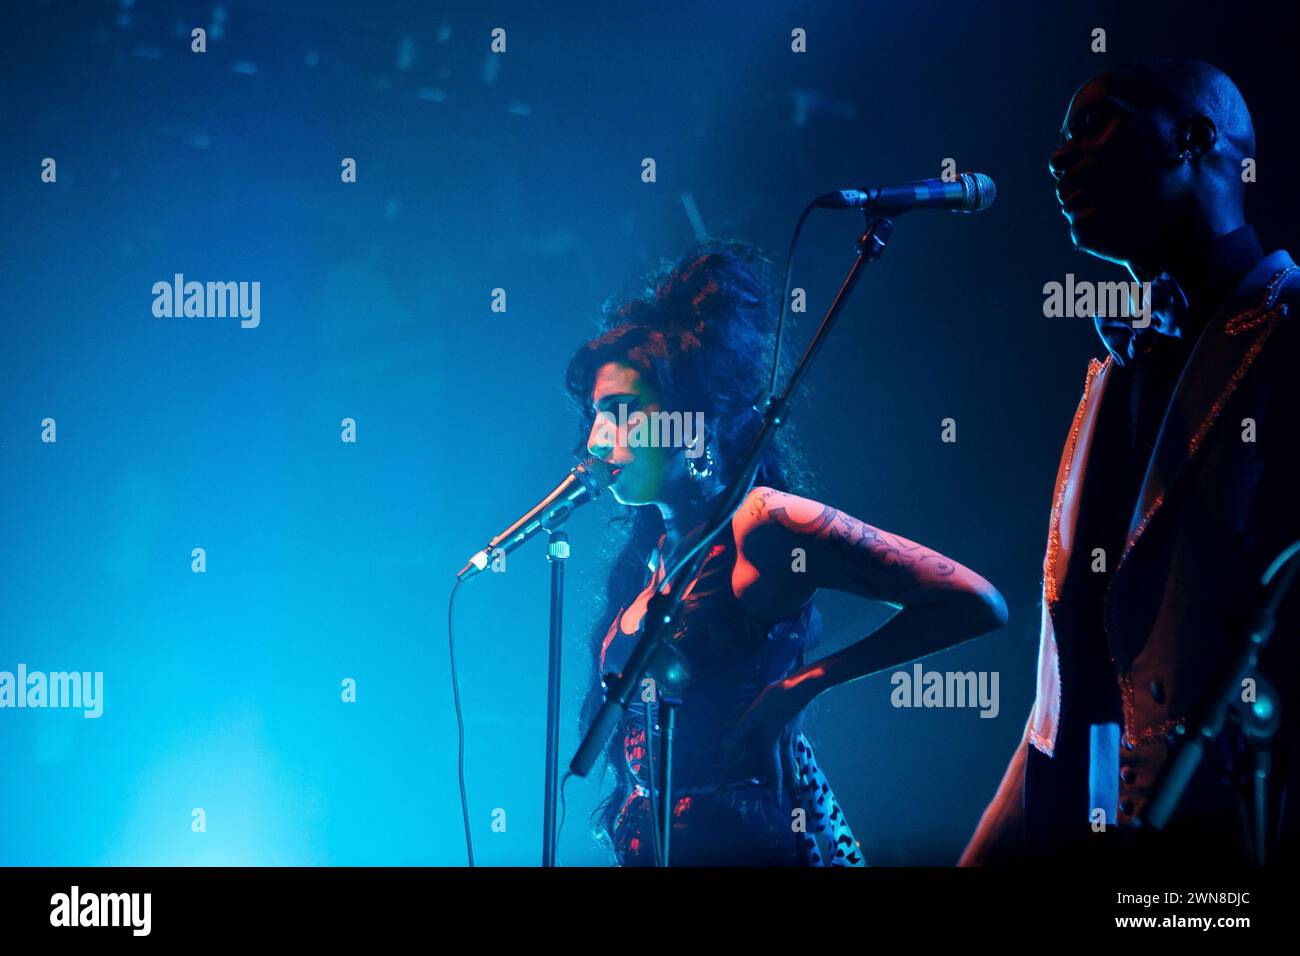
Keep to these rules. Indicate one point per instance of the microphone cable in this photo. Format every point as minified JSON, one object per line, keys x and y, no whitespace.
{"x":762,"y":400}
{"x":785,"y":298}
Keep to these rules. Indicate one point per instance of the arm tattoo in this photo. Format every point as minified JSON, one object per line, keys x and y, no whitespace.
{"x":759,"y":502}
{"x":814,"y":527}
{"x":862,"y":542}
{"x":872,"y":556}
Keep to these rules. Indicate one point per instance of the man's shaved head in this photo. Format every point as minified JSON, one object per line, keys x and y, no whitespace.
{"x":1150,"y":155}
{"x":1188,"y":87}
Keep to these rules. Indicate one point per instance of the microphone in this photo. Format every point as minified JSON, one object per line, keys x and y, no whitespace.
{"x":584,"y":483}
{"x":970,"y":192}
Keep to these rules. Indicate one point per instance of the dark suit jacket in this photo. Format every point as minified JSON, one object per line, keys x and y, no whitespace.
{"x":1213,"y":511}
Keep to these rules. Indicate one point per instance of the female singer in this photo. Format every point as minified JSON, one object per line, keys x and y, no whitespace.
{"x":746,"y":789}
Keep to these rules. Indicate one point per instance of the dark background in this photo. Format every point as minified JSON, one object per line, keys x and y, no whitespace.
{"x":476,"y":171}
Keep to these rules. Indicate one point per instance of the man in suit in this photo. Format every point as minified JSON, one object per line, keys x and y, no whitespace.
{"x":1176,"y":489}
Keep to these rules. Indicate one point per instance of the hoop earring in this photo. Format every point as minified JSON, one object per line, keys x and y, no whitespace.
{"x":694,"y":470}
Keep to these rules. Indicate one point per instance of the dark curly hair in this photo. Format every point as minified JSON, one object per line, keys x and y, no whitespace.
{"x":700,"y":330}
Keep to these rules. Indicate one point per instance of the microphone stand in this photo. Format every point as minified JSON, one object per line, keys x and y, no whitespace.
{"x":557,"y":552}
{"x":668,"y":705}
{"x":1259,"y":722}
{"x":666,"y":603}
{"x":584,"y":483}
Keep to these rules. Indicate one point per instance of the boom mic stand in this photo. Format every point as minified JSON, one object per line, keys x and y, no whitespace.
{"x":1259,"y":718}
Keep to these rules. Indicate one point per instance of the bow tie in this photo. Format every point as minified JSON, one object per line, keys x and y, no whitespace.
{"x":1169,"y":311}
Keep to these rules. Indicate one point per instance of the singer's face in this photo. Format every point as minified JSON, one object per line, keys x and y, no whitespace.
{"x":1112,"y":171}
{"x":642,"y":472}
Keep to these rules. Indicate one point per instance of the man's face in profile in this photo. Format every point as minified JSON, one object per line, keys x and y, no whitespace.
{"x":1112,"y":171}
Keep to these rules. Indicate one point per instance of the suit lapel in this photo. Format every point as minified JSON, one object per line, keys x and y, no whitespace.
{"x":1044,"y":720}
{"x":1069,"y":481}
{"x":1222,"y":356}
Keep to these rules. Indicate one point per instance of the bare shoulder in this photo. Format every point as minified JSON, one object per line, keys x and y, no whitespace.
{"x":766,"y":526}
{"x":768,"y":512}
